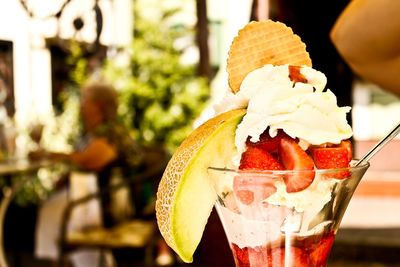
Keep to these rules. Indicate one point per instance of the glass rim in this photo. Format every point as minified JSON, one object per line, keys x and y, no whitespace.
{"x":362,"y":166}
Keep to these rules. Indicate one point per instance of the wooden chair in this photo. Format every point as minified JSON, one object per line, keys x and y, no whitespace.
{"x":135,"y":233}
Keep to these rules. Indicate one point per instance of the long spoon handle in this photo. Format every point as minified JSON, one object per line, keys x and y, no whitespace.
{"x":380,"y":144}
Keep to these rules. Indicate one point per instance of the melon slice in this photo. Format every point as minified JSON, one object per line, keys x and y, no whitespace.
{"x":185,"y":194}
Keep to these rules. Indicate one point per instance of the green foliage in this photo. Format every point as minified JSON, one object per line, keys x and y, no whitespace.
{"x":160,"y":96}
{"x":32,"y":192}
{"x":78,"y":62}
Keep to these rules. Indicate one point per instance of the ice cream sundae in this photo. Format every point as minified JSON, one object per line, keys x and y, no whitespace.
{"x":276,"y":159}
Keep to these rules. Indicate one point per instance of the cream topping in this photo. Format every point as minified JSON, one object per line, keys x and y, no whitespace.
{"x":304,"y":110}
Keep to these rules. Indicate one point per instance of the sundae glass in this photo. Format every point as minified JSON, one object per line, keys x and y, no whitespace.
{"x":267,"y":227}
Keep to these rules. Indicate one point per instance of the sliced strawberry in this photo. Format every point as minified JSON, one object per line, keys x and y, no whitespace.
{"x":258,"y":256}
{"x":255,"y":158}
{"x":252,"y":188}
{"x":319,"y":255}
{"x":267,"y":142}
{"x":249,"y":188}
{"x":333,"y":157}
{"x":330,"y":158}
{"x":349,"y":147}
{"x":252,"y":256}
{"x":298,"y":257}
{"x":241,"y":255}
{"x":293,"y":157}
{"x":245,"y":196}
{"x":263,"y":256}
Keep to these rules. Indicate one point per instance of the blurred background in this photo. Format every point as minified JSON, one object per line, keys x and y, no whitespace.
{"x":61,"y":62}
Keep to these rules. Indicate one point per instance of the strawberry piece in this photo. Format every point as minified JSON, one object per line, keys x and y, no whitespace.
{"x":349,"y":147}
{"x":333,"y":157}
{"x":241,"y":255}
{"x":263,"y":256}
{"x":252,"y":188}
{"x":255,"y":158}
{"x":293,"y":157}
{"x":267,"y":142}
{"x":258,"y":256}
{"x":251,"y":256}
{"x":298,"y":257}
{"x":319,"y":256}
{"x":245,"y":196}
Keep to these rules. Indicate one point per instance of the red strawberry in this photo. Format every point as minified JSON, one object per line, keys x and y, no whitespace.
{"x":245,"y":196}
{"x":333,"y":157}
{"x":255,"y":158}
{"x":267,"y":142}
{"x":249,"y":188}
{"x":293,"y":157}
{"x":241,"y":255}
{"x":258,"y":256}
{"x":349,"y":147}
{"x":319,"y":256}
{"x":298,"y":257}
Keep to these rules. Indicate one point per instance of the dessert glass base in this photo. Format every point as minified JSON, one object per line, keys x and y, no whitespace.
{"x":266,"y":226}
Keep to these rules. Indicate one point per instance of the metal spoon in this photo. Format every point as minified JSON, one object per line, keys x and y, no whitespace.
{"x":395,"y":131}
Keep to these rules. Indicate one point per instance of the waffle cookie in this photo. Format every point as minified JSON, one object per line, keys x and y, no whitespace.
{"x":261,"y":43}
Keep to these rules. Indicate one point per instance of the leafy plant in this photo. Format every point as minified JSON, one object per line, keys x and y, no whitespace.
{"x":160,"y":95}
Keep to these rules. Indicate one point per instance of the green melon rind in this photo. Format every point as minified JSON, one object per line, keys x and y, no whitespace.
{"x":217,"y":150}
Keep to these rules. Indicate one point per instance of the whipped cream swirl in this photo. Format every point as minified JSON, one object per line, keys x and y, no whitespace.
{"x":302,"y":110}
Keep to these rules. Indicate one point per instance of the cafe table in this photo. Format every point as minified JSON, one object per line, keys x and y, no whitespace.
{"x":8,"y":169}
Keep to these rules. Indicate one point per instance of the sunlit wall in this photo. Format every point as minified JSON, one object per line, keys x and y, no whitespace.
{"x":31,"y":57}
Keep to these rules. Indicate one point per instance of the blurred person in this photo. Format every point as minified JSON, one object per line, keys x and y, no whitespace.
{"x":101,"y":133}
{"x":105,"y":143}
{"x":104,"y":150}
{"x":366,"y":34}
